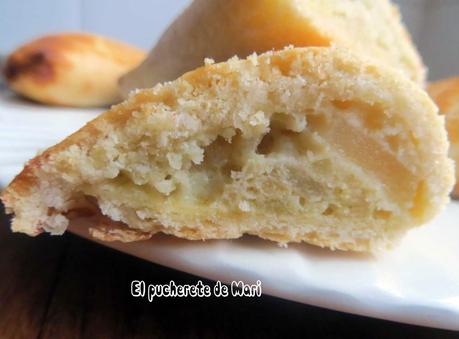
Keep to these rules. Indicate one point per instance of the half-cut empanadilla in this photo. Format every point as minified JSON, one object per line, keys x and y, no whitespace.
{"x":308,"y":144}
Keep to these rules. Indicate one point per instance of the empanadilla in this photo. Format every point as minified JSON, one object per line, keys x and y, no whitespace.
{"x":71,"y":69}
{"x":446,"y":94}
{"x":220,"y":29}
{"x":310,"y":144}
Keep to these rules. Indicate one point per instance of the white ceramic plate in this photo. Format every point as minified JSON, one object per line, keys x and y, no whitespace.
{"x":416,"y":283}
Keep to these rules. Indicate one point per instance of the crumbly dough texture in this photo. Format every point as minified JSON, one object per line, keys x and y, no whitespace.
{"x":309,"y":144}
{"x":220,"y":29}
{"x":446,"y":94}
{"x":71,"y":69}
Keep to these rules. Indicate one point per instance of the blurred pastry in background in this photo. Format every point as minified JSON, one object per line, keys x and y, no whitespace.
{"x":220,"y":29}
{"x":71,"y":69}
{"x":446,"y":94}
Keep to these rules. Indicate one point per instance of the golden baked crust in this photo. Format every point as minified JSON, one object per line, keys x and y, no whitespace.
{"x":220,"y":29}
{"x":71,"y":69}
{"x":109,"y":230}
{"x":309,"y":144}
{"x":446,"y":94}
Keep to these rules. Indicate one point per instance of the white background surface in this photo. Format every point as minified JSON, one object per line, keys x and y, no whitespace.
{"x":434,"y":24}
{"x":416,"y":283}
